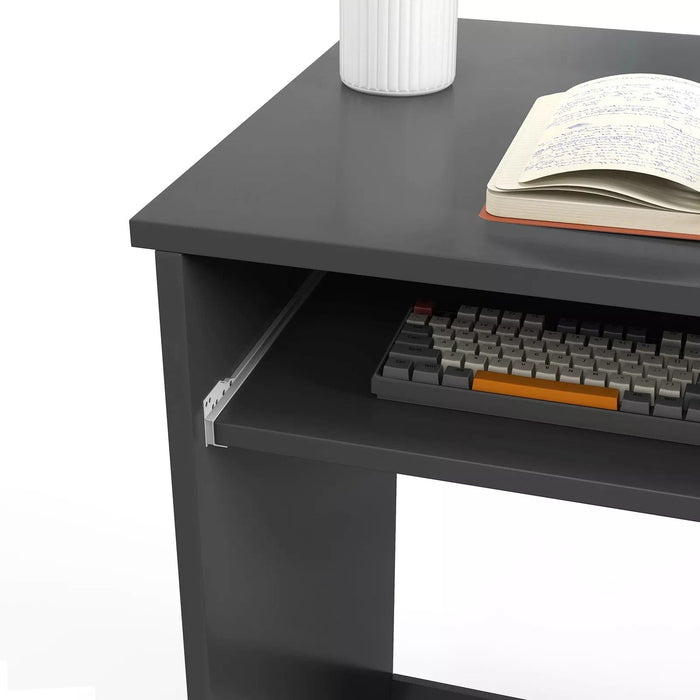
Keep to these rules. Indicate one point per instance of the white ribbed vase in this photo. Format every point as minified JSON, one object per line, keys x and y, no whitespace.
{"x":398,"y":47}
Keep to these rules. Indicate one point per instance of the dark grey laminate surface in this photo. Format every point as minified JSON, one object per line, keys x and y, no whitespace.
{"x":323,"y":177}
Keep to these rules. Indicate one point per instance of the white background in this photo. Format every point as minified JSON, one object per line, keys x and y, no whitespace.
{"x":103,"y":105}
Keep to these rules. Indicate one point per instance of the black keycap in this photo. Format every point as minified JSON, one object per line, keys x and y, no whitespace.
{"x":692,"y":392}
{"x":635,"y":402}
{"x":613,"y":330}
{"x":638,"y":335}
{"x":693,"y":412}
{"x":567,"y":325}
{"x":425,"y":341}
{"x":395,"y":368}
{"x":427,"y":373}
{"x":416,"y":330}
{"x":667,"y":407}
{"x":458,"y":378}
{"x":590,"y":328}
{"x":414,"y":353}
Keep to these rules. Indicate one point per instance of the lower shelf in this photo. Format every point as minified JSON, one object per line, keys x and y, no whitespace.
{"x":310,"y":397}
{"x":405,"y":688}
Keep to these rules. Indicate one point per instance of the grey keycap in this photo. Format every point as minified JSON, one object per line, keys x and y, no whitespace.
{"x":500,"y":365}
{"x":425,"y":373}
{"x":658,"y":374}
{"x":619,"y":382}
{"x":444,"y":345}
{"x":691,"y":353}
{"x":591,"y":328}
{"x":584,"y":363}
{"x":573,"y":375}
{"x":694,"y":367}
{"x":507,"y":329}
{"x":536,"y":356}
{"x":637,"y":335}
{"x":452,"y":359}
{"x":460,"y":324}
{"x":529,"y":332}
{"x":635,"y":402}
{"x":425,"y":341}
{"x":598,"y":342}
{"x":489,"y":339}
{"x":559,"y":348}
{"x":441,"y":332}
{"x":395,"y":368}
{"x":645,"y":348}
{"x":510,"y":343}
{"x":568,"y":325}
{"x":677,"y":363}
{"x":547,"y":372}
{"x":417,"y":319}
{"x":485,"y":326}
{"x":649,"y":362}
{"x":575,"y":339}
{"x":609,"y":367}
{"x":693,"y":411}
{"x":469,"y":313}
{"x":669,"y":351}
{"x":552,"y":336}
{"x":692,"y":341}
{"x":613,"y":330}
{"x":458,"y":378}
{"x":601,"y":355}
{"x":469,"y":336}
{"x":685,"y":379}
{"x":622,"y":345}
{"x":535,"y":321}
{"x":531,"y":344}
{"x":647,"y":386}
{"x":628,"y":357}
{"x":631,"y":371}
{"x":692,"y":393}
{"x":476,"y":363}
{"x":669,"y":388}
{"x":512,"y":354}
{"x":523,"y":369}
{"x":466,"y":347}
{"x":666,"y":407}
{"x":672,"y":338}
{"x":491,"y":315}
{"x":489,"y":350}
{"x":594,"y":378}
{"x":579,"y":352}
{"x":560,"y":360}
{"x":418,"y":330}
{"x":515,"y":317}
{"x":414,"y":353}
{"x":440,"y":322}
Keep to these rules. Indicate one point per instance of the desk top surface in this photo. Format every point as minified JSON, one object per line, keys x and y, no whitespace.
{"x":327,"y":178}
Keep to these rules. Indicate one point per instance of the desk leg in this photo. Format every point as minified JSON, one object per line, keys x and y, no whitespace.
{"x":286,"y":566}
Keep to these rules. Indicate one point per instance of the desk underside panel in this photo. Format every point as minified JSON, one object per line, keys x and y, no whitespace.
{"x":310,"y":397}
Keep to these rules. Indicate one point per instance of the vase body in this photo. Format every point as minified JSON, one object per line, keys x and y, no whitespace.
{"x":398,"y":47}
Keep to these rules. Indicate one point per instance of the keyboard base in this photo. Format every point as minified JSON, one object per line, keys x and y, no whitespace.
{"x":670,"y":430}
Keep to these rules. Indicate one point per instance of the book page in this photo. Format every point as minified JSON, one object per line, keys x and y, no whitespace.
{"x":641,"y":123}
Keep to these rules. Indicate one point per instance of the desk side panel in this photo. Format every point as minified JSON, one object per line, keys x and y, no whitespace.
{"x":286,"y":567}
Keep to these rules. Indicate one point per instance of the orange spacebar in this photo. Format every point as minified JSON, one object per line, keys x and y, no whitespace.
{"x":546,"y":390}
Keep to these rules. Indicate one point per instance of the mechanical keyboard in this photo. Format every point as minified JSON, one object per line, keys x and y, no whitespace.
{"x":569,"y":371}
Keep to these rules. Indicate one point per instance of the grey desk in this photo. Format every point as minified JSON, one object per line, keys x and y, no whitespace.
{"x":286,"y":536}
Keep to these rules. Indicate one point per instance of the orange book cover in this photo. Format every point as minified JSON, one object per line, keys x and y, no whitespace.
{"x":584,"y":227}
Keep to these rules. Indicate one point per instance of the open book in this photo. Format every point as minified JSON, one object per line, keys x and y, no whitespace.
{"x":617,"y":152}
